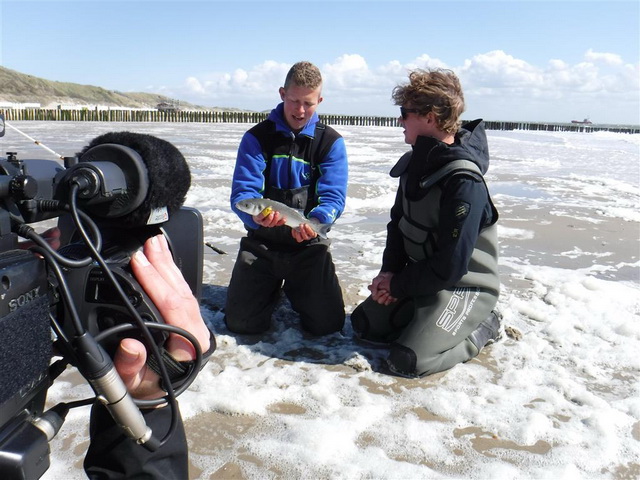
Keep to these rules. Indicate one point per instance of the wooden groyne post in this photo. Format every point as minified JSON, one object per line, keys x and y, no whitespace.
{"x":215,"y":116}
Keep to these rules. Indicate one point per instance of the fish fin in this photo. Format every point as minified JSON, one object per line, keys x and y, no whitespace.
{"x":322,"y":229}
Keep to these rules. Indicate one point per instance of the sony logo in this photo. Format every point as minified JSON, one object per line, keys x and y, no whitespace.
{"x":22,"y":300}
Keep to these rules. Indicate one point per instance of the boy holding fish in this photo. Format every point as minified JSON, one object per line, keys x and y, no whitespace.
{"x":289,"y":186}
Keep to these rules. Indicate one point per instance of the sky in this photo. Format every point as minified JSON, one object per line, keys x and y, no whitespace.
{"x":534,"y":61}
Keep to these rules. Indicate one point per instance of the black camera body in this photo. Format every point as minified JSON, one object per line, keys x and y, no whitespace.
{"x":31,"y":299}
{"x":96,"y":301}
{"x":25,"y":354}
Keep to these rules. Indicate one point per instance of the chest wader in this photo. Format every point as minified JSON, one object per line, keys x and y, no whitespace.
{"x":270,"y":259}
{"x":430,"y":333}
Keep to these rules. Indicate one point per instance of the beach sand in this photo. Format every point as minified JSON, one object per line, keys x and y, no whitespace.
{"x":532,"y":234}
{"x":559,"y":403}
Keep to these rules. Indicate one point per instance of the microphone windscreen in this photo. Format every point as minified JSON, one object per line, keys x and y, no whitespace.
{"x":167,"y":170}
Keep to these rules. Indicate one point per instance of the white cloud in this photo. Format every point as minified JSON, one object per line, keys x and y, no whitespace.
{"x":608,"y":58}
{"x":240,"y":76}
{"x":348,"y":72}
{"x":194,"y":85}
{"x":499,"y":85}
{"x":238,"y":88}
{"x":498,"y":68}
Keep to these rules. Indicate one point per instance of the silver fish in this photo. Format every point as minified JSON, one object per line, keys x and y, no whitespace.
{"x":294,"y":218}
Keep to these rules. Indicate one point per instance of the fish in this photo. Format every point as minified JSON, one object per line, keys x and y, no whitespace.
{"x":294,"y":218}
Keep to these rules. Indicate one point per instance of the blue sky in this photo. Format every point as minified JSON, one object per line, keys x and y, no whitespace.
{"x":518,"y":60}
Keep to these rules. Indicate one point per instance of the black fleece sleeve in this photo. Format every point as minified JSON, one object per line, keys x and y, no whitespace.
{"x":464,"y":210}
{"x":112,"y":455}
{"x":394,"y":257}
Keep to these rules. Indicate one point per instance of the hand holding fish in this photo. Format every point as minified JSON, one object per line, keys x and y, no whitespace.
{"x":269,"y":218}
{"x":303,"y":233}
{"x":272,"y":218}
{"x":269,"y":213}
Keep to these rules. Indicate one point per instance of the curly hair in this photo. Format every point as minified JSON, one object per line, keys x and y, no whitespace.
{"x":303,"y":74}
{"x":434,"y":90}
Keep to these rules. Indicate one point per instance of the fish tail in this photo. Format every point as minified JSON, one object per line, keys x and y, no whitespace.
{"x":323,"y":229}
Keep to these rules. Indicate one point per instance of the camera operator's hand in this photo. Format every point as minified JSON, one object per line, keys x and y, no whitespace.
{"x":161,"y":279}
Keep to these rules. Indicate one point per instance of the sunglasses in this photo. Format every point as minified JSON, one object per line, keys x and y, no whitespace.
{"x":405,"y":111}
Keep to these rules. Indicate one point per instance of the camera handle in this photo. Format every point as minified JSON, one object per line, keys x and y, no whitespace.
{"x":96,"y":366}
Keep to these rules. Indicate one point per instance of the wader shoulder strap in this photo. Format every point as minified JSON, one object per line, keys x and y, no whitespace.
{"x":319,"y":146}
{"x":450,"y":167}
{"x":456,"y":166}
{"x":265,"y":133}
{"x":316,"y":155}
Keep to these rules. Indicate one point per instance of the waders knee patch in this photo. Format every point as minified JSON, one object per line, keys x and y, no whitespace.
{"x":402,"y":360}
{"x":326,"y":328}
{"x":359,"y":321}
{"x":245,"y":328}
{"x":402,"y":313}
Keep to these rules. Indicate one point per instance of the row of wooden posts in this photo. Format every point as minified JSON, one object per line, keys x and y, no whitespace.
{"x":255,"y":117}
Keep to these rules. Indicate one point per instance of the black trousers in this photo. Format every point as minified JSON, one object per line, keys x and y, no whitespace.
{"x":113,"y":455}
{"x":307,"y":276}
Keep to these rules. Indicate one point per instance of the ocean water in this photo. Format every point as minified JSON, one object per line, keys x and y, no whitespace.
{"x":562,"y":401}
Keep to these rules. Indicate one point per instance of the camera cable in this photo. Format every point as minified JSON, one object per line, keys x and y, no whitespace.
{"x":29,"y":233}
{"x":150,"y":343}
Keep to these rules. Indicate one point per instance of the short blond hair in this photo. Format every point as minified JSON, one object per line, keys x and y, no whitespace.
{"x":303,"y":74}
{"x":434,"y":90}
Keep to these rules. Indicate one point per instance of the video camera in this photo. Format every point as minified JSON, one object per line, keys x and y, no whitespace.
{"x":76,"y":303}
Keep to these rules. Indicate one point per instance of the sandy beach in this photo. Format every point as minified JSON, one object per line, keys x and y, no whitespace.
{"x":557,"y":398}
{"x":572,"y":241}
{"x":575,"y":238}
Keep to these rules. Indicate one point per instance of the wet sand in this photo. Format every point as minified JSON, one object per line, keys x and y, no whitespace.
{"x":533,"y":235}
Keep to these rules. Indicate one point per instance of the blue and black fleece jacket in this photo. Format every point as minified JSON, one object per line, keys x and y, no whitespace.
{"x":288,"y":155}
